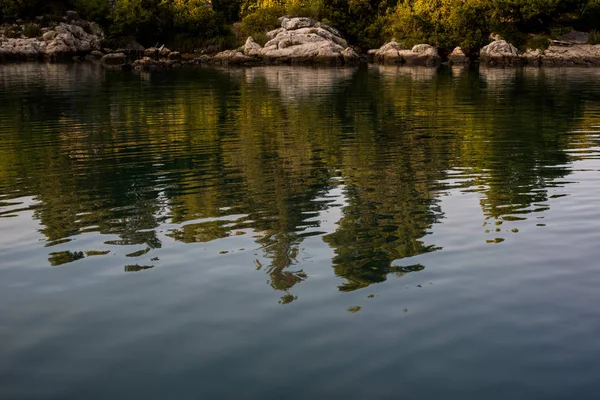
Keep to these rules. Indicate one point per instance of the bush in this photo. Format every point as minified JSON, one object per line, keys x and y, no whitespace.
{"x":137,"y":18}
{"x":444,"y":23}
{"x":261,"y":21}
{"x":537,"y":42}
{"x":305,"y":8}
{"x":194,"y":17}
{"x":95,"y":10}
{"x":32,"y":30}
{"x":594,"y":37}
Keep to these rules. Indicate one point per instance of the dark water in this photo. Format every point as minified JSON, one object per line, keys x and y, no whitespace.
{"x":296,"y":233}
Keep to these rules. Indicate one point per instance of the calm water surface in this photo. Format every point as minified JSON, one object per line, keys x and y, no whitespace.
{"x":299,"y":233}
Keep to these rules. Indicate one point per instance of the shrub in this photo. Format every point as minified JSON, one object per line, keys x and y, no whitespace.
{"x":444,"y":23}
{"x":305,"y":8}
{"x":261,"y":21}
{"x":594,"y":37}
{"x":137,"y":18}
{"x":95,"y":10}
{"x":537,"y":42}
{"x":194,"y":17}
{"x":32,"y":30}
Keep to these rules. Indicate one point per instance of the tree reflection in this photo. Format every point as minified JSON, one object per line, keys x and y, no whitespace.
{"x":216,"y":152}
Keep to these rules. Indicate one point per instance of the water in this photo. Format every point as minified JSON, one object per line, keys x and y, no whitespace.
{"x":299,"y":233}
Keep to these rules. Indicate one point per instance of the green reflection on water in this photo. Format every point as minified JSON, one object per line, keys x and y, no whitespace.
{"x":213,"y":154}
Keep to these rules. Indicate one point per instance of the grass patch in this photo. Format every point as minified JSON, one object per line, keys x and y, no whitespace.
{"x":32,"y":30}
{"x":538,"y":42}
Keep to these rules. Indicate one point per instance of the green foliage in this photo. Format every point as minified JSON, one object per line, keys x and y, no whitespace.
{"x":537,"y":42}
{"x":305,"y":8}
{"x":468,"y":23}
{"x":32,"y":8}
{"x":95,"y":10}
{"x":365,"y":23}
{"x":32,"y":30}
{"x":445,"y":23}
{"x":594,"y":37}
{"x":261,"y":21}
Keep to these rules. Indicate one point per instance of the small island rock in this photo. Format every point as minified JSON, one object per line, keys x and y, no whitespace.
{"x":500,"y":53}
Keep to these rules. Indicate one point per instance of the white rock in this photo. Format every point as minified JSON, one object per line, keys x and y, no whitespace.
{"x":458,"y":57}
{"x":251,"y":48}
{"x":499,"y":52}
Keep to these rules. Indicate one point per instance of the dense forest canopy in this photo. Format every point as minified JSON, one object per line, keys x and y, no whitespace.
{"x":366,"y":23}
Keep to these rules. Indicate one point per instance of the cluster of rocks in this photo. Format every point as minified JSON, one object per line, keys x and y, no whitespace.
{"x":394,"y":53}
{"x":298,"y":41}
{"x":66,"y":40}
{"x":152,"y":58}
{"x":558,"y":54}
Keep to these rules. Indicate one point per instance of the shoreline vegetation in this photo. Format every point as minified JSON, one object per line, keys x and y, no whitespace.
{"x":152,"y":34}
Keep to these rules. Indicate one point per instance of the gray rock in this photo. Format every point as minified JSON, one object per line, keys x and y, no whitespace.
{"x":291,"y":24}
{"x":458,"y":57}
{"x":164,"y":52}
{"x":394,"y":53}
{"x":151,"y":52}
{"x":72,"y":39}
{"x":232,"y":57}
{"x":575,"y":37}
{"x":115,"y":60}
{"x":48,"y":36}
{"x":421,"y":55}
{"x":96,"y":55}
{"x":72,"y":15}
{"x":388,"y":53}
{"x":350,"y":56}
{"x":584,"y":55}
{"x":304,"y":40}
{"x":499,"y":53}
{"x":251,"y":48}
{"x":174,"y":55}
{"x":274,"y":32}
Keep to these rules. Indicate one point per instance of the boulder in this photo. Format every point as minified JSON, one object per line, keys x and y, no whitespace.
{"x":232,"y":57}
{"x":304,"y":40}
{"x":575,"y":37}
{"x":164,"y":52}
{"x":64,"y":41}
{"x":96,"y":55}
{"x":291,"y":24}
{"x":72,"y":39}
{"x":388,"y":53}
{"x":114,"y":60}
{"x":49,"y":35}
{"x":499,"y":53}
{"x":22,"y":49}
{"x":533,"y":57}
{"x":458,"y":57}
{"x":350,"y":56}
{"x":251,"y":48}
{"x":151,"y":52}
{"x":421,"y":55}
{"x":72,"y":15}
{"x":174,"y":55}
{"x":584,"y":55}
{"x":274,"y":32}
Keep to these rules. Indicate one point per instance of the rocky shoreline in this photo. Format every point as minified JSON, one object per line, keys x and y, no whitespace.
{"x":299,"y":41}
